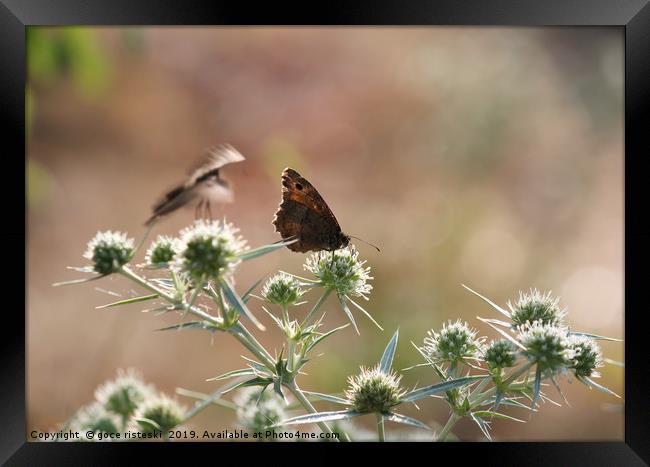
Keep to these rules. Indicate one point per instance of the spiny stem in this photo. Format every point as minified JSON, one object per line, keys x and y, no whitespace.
{"x":315,"y":308}
{"x":295,"y":390}
{"x":380,"y":428}
{"x":170,"y":298}
{"x":204,"y":401}
{"x":285,"y":314}
{"x":454,"y":418}
{"x":264,"y":355}
{"x":290,"y":354}
{"x":505,"y":385}
{"x":195,"y":295}
{"x":238,"y":331}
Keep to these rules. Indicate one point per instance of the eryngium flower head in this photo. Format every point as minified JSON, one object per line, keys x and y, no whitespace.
{"x":257,"y":410}
{"x":161,"y":251}
{"x":109,"y":251}
{"x":208,"y":250}
{"x":536,"y":306}
{"x":123,"y":395}
{"x":374,"y":391}
{"x":341,"y":271}
{"x":546,"y":345}
{"x":456,"y":341}
{"x":282,"y":289}
{"x":95,"y":417}
{"x":160,"y":409}
{"x":500,"y":354}
{"x":587,"y":356}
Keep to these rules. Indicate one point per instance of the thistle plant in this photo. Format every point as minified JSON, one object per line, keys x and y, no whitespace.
{"x":536,"y":306}
{"x":195,"y":276}
{"x":258,"y":409}
{"x":378,"y":391}
{"x":127,"y":407}
{"x":536,"y":345}
{"x":343,"y":274}
{"x":158,"y":414}
{"x":454,"y":344}
{"x":109,"y":251}
{"x":161,"y":252}
{"x":200,"y":264}
{"x":123,"y":395}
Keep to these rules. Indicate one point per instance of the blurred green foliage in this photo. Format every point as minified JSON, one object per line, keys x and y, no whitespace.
{"x":58,"y":53}
{"x":53,"y":53}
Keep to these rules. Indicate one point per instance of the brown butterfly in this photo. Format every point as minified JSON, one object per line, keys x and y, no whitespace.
{"x":304,"y":215}
{"x":203,"y":184}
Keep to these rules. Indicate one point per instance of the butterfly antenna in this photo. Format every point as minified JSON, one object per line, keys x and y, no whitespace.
{"x":367,"y":243}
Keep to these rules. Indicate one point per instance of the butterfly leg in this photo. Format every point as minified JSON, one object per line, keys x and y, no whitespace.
{"x":209,"y":210}
{"x":332,"y":261}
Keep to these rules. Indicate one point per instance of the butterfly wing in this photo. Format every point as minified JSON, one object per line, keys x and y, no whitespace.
{"x":304,"y":214}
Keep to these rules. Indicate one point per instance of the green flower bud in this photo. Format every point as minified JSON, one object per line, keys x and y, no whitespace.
{"x":161,"y":251}
{"x":123,"y":395}
{"x":109,"y":251}
{"x":95,"y":418}
{"x":456,"y":341}
{"x":546,"y":345}
{"x":257,"y":410}
{"x":165,"y":412}
{"x":500,"y":354}
{"x":374,"y":391}
{"x":340,"y":271}
{"x":536,"y":307}
{"x":282,"y":289}
{"x":208,"y":250}
{"x":587,"y":356}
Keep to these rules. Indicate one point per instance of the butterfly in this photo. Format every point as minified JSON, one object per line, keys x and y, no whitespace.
{"x":304,"y":215}
{"x":203,"y":184}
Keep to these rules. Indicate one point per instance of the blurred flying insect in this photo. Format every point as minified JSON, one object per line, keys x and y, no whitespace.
{"x":204,"y":185}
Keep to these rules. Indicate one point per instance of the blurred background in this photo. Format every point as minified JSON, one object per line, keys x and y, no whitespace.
{"x":486,"y":156}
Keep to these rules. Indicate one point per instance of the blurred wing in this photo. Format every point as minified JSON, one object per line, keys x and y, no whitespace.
{"x":217,"y":158}
{"x":215,"y":191}
{"x":172,"y":200}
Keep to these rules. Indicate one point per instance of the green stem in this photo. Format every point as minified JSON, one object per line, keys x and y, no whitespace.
{"x":238,"y":331}
{"x":380,"y":428}
{"x":315,"y":308}
{"x":295,"y":390}
{"x":170,"y":298}
{"x":285,"y":315}
{"x":219,"y":296}
{"x":195,"y":295}
{"x":246,"y":333}
{"x":290,"y":354}
{"x":454,"y":417}
{"x":205,"y":400}
{"x":506,"y":384}
{"x":178,"y":284}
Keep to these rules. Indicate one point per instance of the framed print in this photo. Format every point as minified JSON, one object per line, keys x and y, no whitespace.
{"x":419,"y":227}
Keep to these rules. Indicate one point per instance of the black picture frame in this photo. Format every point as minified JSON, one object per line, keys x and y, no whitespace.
{"x":631,"y":15}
